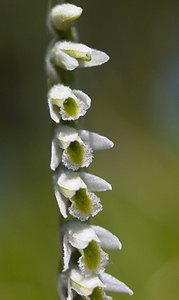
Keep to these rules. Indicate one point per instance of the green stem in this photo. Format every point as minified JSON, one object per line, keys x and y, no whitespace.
{"x":67,"y":78}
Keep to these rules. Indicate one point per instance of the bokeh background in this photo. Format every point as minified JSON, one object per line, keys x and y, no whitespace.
{"x":135,"y":102}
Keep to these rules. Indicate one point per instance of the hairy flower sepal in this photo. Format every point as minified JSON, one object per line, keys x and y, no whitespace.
{"x":61,"y":16}
{"x":78,"y":187}
{"x":66,"y":103}
{"x":75,"y":147}
{"x":70,"y":55}
{"x":89,"y":241}
{"x":112,"y":284}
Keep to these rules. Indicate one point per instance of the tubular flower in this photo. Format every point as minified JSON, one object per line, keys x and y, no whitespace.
{"x":78,"y":187}
{"x":88,"y":240}
{"x":70,"y":55}
{"x":92,"y":287}
{"x":66,"y":103}
{"x":83,"y":260}
{"x":75,"y":147}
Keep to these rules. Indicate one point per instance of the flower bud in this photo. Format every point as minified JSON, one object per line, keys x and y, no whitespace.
{"x":63,"y":15}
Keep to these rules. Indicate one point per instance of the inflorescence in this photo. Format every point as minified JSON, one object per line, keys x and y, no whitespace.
{"x":82,"y":274}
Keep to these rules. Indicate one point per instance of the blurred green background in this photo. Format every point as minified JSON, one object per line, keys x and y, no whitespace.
{"x":135,"y":102}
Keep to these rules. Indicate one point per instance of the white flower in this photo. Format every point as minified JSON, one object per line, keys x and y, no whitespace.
{"x":83,"y":286}
{"x":88,"y":240}
{"x":78,"y":187}
{"x":70,"y":55}
{"x":73,"y":280}
{"x":83,"y":203}
{"x":74,"y":152}
{"x":61,"y":16}
{"x":91,"y":287}
{"x":66,"y":103}
{"x":75,"y":147}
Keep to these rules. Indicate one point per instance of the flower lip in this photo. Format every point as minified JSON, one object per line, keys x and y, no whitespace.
{"x":84,"y":205}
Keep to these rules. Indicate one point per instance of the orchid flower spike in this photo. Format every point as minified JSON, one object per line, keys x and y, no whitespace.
{"x":83,"y":260}
{"x":75,"y":147}
{"x":70,"y":55}
{"x":66,"y":103}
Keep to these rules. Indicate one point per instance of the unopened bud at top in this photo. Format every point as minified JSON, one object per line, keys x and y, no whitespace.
{"x":63,"y":15}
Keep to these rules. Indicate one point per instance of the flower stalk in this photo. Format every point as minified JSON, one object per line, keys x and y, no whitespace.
{"x":83,"y":261}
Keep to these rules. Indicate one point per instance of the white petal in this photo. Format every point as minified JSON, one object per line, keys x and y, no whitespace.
{"x":76,"y":54}
{"x":84,"y":285}
{"x":76,"y":50}
{"x":97,"y":58}
{"x":59,"y":91}
{"x":61,"y":202}
{"x":66,"y":135}
{"x":55,"y":155}
{"x":83,"y":97}
{"x":70,"y":182}
{"x":95,"y":141}
{"x":56,"y":96}
{"x":114,"y":285}
{"x":55,"y":116}
{"x":107,"y":239}
{"x":95,"y":183}
{"x":80,"y":234}
{"x":62,"y":15}
{"x":64,"y":60}
{"x":67,"y":249}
